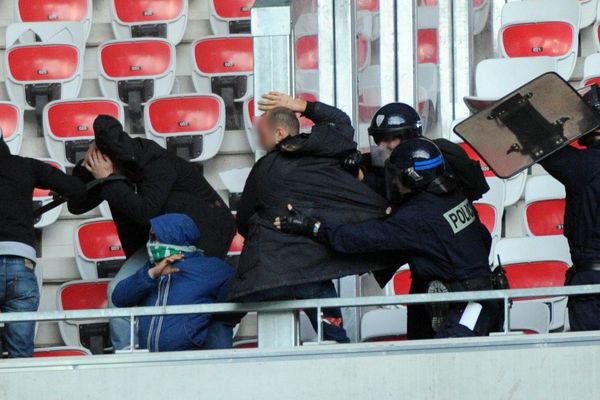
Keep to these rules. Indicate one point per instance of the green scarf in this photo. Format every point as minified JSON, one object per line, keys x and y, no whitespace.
{"x":158,"y":251}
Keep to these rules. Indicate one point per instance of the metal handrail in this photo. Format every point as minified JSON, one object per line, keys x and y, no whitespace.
{"x":295,"y":305}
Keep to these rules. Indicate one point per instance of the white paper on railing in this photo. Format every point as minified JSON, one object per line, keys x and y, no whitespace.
{"x":235,"y":179}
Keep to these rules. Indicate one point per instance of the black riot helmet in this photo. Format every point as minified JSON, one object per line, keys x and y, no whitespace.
{"x":592,"y":97}
{"x":395,"y":121}
{"x":416,"y":165}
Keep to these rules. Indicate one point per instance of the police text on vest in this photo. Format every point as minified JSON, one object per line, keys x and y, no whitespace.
{"x":460,"y":216}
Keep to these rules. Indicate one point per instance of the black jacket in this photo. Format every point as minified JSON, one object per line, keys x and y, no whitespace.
{"x":304,"y":170}
{"x":18,"y":178}
{"x":157,"y":183}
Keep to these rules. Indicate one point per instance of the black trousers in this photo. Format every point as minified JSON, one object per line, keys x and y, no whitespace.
{"x":584,"y":311}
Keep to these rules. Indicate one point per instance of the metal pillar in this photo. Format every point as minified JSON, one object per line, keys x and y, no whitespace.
{"x":463,"y":55}
{"x":327,"y":73}
{"x":446,"y":66}
{"x":346,"y":80}
{"x":406,"y":53}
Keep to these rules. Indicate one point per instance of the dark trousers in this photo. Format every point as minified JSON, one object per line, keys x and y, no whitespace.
{"x":418,"y":317}
{"x":490,"y":320}
{"x":584,"y":311}
{"x":333,"y":325}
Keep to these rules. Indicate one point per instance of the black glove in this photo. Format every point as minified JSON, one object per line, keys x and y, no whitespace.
{"x":352,"y":162}
{"x":298,"y":223}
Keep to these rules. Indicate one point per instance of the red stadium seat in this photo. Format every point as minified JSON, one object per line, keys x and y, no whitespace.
{"x":224,"y":66}
{"x":544,"y":206}
{"x":307,"y":52}
{"x":190,"y":126}
{"x":402,"y":282}
{"x":99,"y":253}
{"x":536,"y":274}
{"x":230,"y":16}
{"x":41,"y":197}
{"x":68,"y":126}
{"x":135,"y":71}
{"x":491,"y":209}
{"x":84,"y":295}
{"x":149,"y":18}
{"x":11,"y":125}
{"x":237,"y":245}
{"x":427,"y":44}
{"x":537,"y":28}
{"x":61,"y":352}
{"x":56,"y":11}
{"x":487,"y":215}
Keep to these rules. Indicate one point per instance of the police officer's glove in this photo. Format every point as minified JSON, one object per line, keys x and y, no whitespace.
{"x":297,"y":223}
{"x":352,"y":162}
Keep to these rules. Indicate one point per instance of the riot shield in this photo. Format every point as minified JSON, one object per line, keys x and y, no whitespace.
{"x":528,"y":125}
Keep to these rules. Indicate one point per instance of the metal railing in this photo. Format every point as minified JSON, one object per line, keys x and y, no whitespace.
{"x":266,"y":310}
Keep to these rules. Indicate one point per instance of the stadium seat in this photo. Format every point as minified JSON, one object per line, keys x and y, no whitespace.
{"x":230,"y":16}
{"x":544,"y":206}
{"x":191,"y":126}
{"x":11,"y":125}
{"x":224,"y":66}
{"x":514,"y":185}
{"x":63,"y":351}
{"x":135,"y":71}
{"x":591,"y":70}
{"x":536,"y":28}
{"x":367,"y":19}
{"x":530,"y":317}
{"x":84,"y":295}
{"x":427,"y":35}
{"x":532,"y":262}
{"x":246,"y":334}
{"x":235,"y":250}
{"x":481,"y":12}
{"x":383,"y":325}
{"x":38,"y":72}
{"x":165,"y":19}
{"x":68,"y":126}
{"x":369,"y":96}
{"x":589,"y":10}
{"x":98,"y":250}
{"x":491,"y":209}
{"x":58,"y":11}
{"x":41,"y":197}
{"x":497,"y":77}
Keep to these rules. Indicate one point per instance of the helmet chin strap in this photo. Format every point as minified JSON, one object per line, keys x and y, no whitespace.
{"x":442,"y":185}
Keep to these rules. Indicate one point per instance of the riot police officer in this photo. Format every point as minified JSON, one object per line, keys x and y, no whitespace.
{"x":391,"y":125}
{"x":433,"y":226}
{"x":579,"y":172}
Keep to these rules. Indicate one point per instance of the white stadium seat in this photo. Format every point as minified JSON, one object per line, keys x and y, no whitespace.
{"x":544,"y":212}
{"x":491,"y":209}
{"x":589,"y":9}
{"x":56,"y":11}
{"x":591,"y":70}
{"x":230,"y":16}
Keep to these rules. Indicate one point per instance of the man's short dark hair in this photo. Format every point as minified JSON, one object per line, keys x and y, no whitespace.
{"x":286,"y":118}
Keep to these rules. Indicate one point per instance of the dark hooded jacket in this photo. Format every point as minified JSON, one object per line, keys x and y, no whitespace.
{"x":157,"y":182}
{"x":18,"y":178}
{"x":304,"y":170}
{"x":200,"y":280}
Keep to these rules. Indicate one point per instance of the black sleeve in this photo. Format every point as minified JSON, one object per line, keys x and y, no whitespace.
{"x":321,"y":113}
{"x":50,"y":178}
{"x":248,"y":203}
{"x":87,"y":201}
{"x":569,"y":167}
{"x":152,"y":192}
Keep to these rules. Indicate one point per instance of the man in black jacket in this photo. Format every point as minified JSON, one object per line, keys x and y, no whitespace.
{"x":305,"y":169}
{"x":156,"y":182}
{"x":18,"y":285}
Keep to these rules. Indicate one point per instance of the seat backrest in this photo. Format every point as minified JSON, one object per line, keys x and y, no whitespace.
{"x":11,"y":122}
{"x":83,"y":295}
{"x":61,"y":352}
{"x":367,"y":5}
{"x":220,"y":56}
{"x":491,"y":207}
{"x":181,"y":115}
{"x":591,"y":69}
{"x":136,"y":59}
{"x":536,"y":274}
{"x":98,"y":240}
{"x":544,"y":206}
{"x":537,"y":28}
{"x":497,"y":77}
{"x":74,"y":119}
{"x":39,"y":194}
{"x":53,"y":10}
{"x":487,"y":172}
{"x":402,"y":282}
{"x":229,"y":10}
{"x":237,"y":245}
{"x":533,"y":249}
{"x":42,"y":63}
{"x":147,"y":11}
{"x":427,"y":46}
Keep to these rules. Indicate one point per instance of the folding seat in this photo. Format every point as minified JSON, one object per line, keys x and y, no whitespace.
{"x":246,"y":333}
{"x":84,"y":295}
{"x":383,"y":325}
{"x":191,"y":126}
{"x":98,"y":250}
{"x":491,"y":209}
{"x":62,"y":351}
{"x":427,"y":35}
{"x":165,"y":19}
{"x":135,"y":71}
{"x":59,"y":11}
{"x":532,"y":262}
{"x":11,"y":125}
{"x":530,"y":317}
{"x":43,"y":62}
{"x":591,"y":70}
{"x":536,"y":28}
{"x":41,"y":197}
{"x":589,"y":11}
{"x":544,"y":212}
{"x":367,"y":19}
{"x":230,"y":16}
{"x":224,"y":66}
{"x":514,"y":185}
{"x":497,"y":77}
{"x":68,"y":126}
{"x":481,"y":12}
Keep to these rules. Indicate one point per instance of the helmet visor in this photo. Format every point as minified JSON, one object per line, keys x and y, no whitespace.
{"x":397,"y":189}
{"x":379,"y":153}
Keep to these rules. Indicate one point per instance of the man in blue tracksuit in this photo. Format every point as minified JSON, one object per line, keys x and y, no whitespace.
{"x":177,"y":274}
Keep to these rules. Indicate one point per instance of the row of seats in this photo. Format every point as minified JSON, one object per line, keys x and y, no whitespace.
{"x":139,"y":18}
